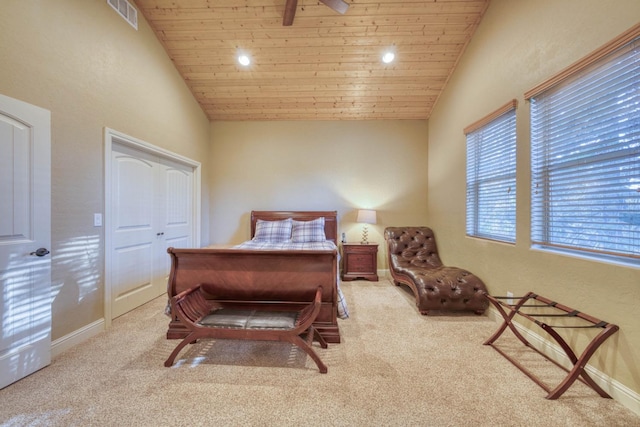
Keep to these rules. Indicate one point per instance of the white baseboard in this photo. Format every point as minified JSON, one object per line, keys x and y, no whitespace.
{"x":622,"y":394}
{"x":76,"y":337}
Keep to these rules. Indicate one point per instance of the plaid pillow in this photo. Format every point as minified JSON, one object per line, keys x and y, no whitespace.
{"x":308,"y":231}
{"x":273,"y":231}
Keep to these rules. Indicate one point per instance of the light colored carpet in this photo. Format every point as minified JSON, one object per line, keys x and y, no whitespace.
{"x":393,"y":368}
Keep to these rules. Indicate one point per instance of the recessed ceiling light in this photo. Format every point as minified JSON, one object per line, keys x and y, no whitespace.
{"x":244,"y":60}
{"x":388,"y":57}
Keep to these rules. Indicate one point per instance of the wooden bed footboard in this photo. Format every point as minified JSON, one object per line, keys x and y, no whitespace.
{"x":279,"y":278}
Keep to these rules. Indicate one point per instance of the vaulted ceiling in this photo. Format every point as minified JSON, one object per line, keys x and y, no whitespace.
{"x":325,"y":66}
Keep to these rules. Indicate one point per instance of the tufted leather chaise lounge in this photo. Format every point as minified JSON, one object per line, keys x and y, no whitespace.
{"x":414,"y":261}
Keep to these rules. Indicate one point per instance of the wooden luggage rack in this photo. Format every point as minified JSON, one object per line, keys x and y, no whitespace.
{"x":551,"y":309}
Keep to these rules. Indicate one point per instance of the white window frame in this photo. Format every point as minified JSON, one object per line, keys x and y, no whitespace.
{"x":585,"y":155}
{"x":491,"y":176}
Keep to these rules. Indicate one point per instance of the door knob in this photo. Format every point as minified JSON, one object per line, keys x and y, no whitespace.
{"x":40,"y":252}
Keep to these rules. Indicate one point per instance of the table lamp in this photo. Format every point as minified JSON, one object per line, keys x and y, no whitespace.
{"x":366,"y":216}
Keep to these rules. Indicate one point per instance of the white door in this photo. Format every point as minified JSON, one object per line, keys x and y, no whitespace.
{"x":25,"y":239}
{"x":176,"y":212}
{"x":151,"y":209}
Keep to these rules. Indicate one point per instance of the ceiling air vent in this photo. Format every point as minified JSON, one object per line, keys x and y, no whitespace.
{"x":126,"y":10}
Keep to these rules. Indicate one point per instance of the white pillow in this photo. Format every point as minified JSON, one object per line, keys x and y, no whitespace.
{"x":308,"y":231}
{"x":273,"y":231}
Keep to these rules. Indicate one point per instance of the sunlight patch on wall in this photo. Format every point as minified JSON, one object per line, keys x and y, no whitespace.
{"x":80,"y":257}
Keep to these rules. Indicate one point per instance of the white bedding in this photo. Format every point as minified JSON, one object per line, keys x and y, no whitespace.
{"x":343,"y":311}
{"x":286,"y":245}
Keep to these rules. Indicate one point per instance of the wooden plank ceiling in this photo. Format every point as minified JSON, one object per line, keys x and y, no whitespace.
{"x":325,"y":66}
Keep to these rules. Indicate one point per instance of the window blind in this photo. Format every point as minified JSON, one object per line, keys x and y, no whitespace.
{"x":585,"y":158}
{"x":491,"y":176}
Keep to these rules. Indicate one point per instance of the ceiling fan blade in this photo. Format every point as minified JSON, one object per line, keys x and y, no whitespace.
{"x":339,"y":6}
{"x":289,"y":12}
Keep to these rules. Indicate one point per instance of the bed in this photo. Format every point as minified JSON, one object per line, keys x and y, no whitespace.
{"x":289,"y":255}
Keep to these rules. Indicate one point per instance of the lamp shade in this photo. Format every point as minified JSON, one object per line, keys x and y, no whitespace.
{"x":366,"y":216}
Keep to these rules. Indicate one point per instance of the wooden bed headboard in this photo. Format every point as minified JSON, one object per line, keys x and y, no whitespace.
{"x":330,"y":220}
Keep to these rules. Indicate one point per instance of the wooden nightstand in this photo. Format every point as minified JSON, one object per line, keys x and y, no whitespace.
{"x":360,"y":261}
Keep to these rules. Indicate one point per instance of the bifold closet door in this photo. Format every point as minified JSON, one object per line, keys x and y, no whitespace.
{"x":151,"y":203}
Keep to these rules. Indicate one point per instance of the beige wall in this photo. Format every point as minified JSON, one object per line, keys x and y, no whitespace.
{"x":317,"y":165}
{"x":518,"y":45}
{"x":81,"y":61}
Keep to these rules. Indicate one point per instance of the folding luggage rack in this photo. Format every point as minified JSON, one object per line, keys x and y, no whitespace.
{"x":552,"y":309}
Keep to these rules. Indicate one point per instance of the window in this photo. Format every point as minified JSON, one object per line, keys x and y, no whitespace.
{"x":585,"y":155}
{"x":491,"y":175}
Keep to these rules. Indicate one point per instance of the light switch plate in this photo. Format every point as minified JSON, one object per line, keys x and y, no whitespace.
{"x":97,"y":220}
{"x":509,"y":297}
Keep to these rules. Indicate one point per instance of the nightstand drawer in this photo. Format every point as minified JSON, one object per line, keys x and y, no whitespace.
{"x":356,"y":249}
{"x":358,"y":262}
